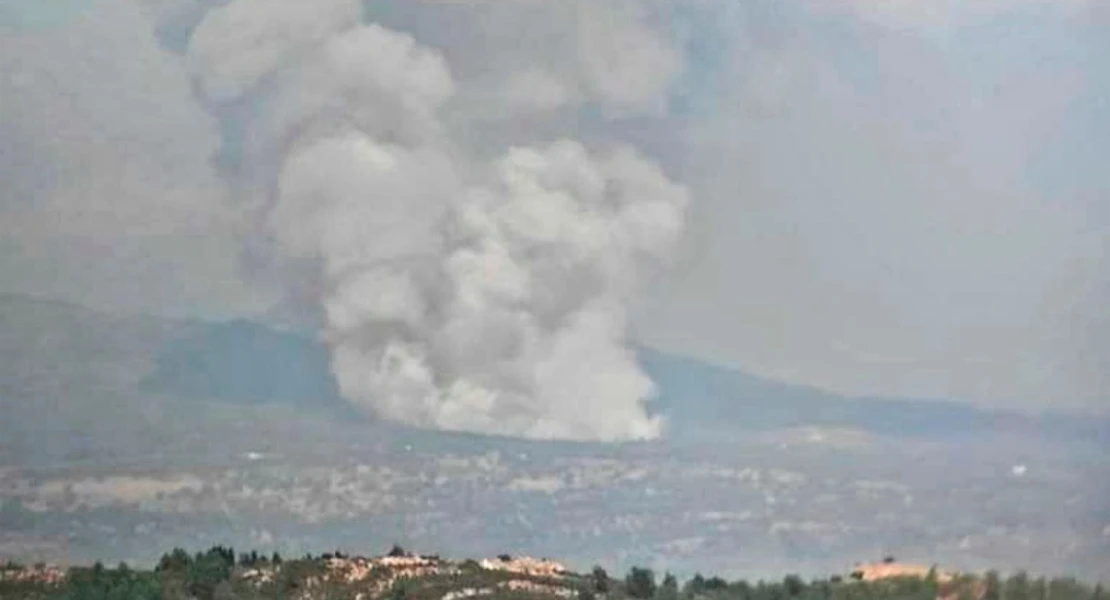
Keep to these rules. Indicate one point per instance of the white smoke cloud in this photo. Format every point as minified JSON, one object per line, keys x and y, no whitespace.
{"x":530,"y":58}
{"x":107,"y":193}
{"x":623,"y":62}
{"x":266,"y":35}
{"x":475,"y":297}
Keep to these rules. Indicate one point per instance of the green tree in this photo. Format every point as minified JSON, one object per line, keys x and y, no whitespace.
{"x":1067,"y":588}
{"x":992,"y":586}
{"x":965,"y":587}
{"x":716,"y":584}
{"x":601,"y":580}
{"x":177,"y":561}
{"x":1017,"y":587}
{"x":208,"y":570}
{"x":1040,"y":589}
{"x":640,"y":583}
{"x":224,"y":591}
{"x":793,"y":586}
{"x":695,"y":586}
{"x":668,"y":589}
{"x":740,"y":590}
{"x":146,"y":587}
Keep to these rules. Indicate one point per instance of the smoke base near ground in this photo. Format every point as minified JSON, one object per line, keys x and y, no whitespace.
{"x":489,"y":297}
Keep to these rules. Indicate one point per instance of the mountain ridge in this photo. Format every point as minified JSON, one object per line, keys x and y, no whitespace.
{"x":245,"y":362}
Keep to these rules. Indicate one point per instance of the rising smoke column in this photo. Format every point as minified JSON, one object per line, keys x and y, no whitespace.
{"x":489,"y":298}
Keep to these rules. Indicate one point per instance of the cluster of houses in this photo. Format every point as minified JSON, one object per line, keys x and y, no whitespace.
{"x":383,"y":572}
{"x":889,"y":568}
{"x":525,"y":565}
{"x":39,"y":574}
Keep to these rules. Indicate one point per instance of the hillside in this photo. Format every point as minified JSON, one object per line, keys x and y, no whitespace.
{"x":120,"y":436}
{"x":49,"y":350}
{"x":221,"y":574}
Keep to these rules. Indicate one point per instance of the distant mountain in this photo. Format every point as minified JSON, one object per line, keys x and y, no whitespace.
{"x":51,"y":349}
{"x":696,"y":395}
{"x":119,"y":435}
{"x":245,"y":362}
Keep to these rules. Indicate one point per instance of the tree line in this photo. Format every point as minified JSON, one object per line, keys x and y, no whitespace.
{"x":211,"y":575}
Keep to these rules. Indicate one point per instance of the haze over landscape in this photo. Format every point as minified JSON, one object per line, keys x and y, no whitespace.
{"x":751,"y":288}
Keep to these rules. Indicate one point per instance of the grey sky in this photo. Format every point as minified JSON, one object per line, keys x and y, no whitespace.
{"x":886,"y":199}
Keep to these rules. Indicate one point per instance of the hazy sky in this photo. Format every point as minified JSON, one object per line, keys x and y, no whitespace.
{"x":896,"y":197}
{"x":903,"y":200}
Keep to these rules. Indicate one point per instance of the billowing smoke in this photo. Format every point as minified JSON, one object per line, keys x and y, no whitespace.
{"x":489,"y":298}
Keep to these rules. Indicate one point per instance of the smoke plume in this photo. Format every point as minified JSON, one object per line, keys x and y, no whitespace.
{"x":489,"y":297}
